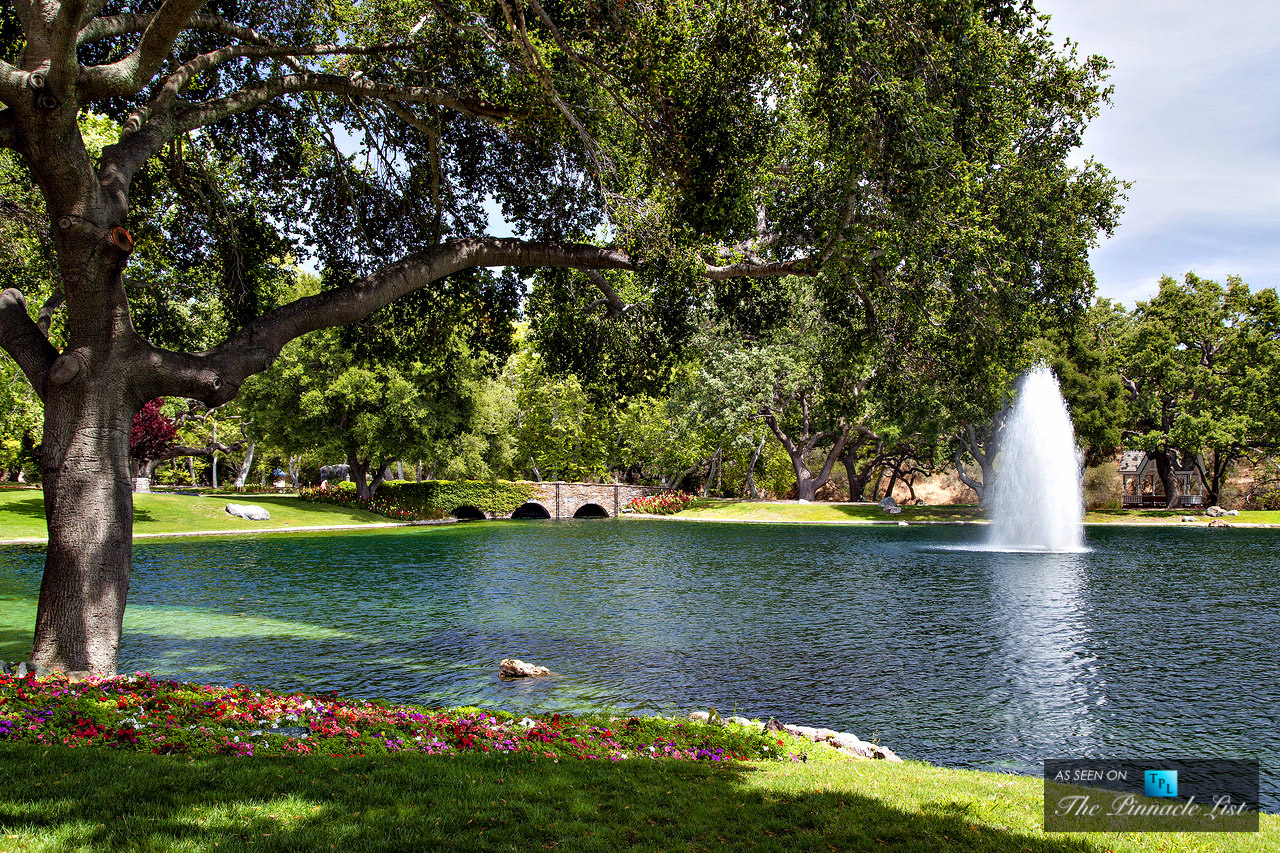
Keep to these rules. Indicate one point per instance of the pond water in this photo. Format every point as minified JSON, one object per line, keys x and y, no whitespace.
{"x":1156,"y":642}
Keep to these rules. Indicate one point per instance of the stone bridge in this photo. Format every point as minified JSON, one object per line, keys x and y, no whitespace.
{"x":569,"y":500}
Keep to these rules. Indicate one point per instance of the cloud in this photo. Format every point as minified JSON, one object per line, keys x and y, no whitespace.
{"x":1195,"y":126}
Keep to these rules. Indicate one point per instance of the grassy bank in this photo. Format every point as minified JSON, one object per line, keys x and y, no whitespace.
{"x":471,"y":780}
{"x":1160,"y":516}
{"x":711,"y":509}
{"x":94,"y":799}
{"x":22,"y":513}
{"x":784,"y":511}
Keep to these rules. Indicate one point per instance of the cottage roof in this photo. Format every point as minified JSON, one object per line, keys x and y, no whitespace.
{"x":1131,"y":460}
{"x":1136,"y":461}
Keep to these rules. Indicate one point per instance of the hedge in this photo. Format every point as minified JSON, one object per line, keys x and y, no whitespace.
{"x":438,"y":498}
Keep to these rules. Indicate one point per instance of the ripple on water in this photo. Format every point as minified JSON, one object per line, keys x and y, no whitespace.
{"x":1149,"y":642}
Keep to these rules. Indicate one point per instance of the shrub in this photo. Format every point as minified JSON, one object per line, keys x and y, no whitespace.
{"x":1102,"y":486}
{"x":663,"y":503}
{"x":344,"y":494}
{"x":408,"y":501}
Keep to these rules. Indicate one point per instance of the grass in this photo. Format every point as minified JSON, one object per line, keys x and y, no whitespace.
{"x":1149,"y":516}
{"x":711,"y":509}
{"x":93,"y":799}
{"x":22,"y":513}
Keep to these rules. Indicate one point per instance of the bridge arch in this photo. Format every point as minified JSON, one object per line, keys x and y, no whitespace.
{"x":531,"y":509}
{"x":591,"y":510}
{"x":466,"y":512}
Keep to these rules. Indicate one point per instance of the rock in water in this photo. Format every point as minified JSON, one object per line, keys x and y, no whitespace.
{"x":250,"y":511}
{"x":512,"y":668}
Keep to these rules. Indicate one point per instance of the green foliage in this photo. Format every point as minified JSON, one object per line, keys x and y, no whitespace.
{"x":445,"y":496}
{"x":402,"y":499}
{"x":1202,"y":365}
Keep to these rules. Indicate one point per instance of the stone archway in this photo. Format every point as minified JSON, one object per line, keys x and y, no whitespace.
{"x":469,"y":513}
{"x":532,"y":509}
{"x":590,"y":510}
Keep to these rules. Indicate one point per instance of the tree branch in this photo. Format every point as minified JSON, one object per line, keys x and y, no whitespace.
{"x":12,"y":84}
{"x":213,"y":377}
{"x":146,"y":133}
{"x":50,"y":307}
{"x":802,"y":267}
{"x":129,"y":75}
{"x":181,"y":78}
{"x":614,"y":305}
{"x":22,"y":339}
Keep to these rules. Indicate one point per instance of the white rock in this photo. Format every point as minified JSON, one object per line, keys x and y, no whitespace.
{"x":884,"y":753}
{"x":801,"y":731}
{"x":1215,"y":511}
{"x":1188,"y":518}
{"x":700,"y":717}
{"x":513,"y":668}
{"x":1233,"y":512}
{"x":902,"y":524}
{"x":252,"y":512}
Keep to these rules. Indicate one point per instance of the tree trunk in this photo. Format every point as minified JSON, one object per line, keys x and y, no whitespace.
{"x":1164,"y":468}
{"x":751,"y":468}
{"x":88,"y":502}
{"x":243,"y":475}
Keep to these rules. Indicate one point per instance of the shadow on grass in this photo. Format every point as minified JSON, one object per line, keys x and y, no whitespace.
{"x":15,"y":646}
{"x":28,"y":508}
{"x":97,"y":799}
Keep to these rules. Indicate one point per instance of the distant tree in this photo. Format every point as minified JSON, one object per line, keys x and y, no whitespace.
{"x":153,"y":432}
{"x":1200,"y":363}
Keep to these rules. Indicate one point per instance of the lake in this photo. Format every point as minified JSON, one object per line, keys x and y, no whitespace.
{"x":1157,"y":642}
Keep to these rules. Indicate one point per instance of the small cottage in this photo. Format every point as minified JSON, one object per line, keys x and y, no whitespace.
{"x":1142,"y":486}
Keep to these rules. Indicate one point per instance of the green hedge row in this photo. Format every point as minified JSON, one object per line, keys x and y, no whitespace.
{"x":442,"y":497}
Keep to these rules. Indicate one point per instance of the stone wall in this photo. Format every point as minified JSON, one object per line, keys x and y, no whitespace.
{"x":563,"y":500}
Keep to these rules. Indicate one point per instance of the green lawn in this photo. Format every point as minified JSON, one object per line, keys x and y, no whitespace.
{"x":22,"y":513}
{"x":1148,"y":516}
{"x":712,"y":509}
{"x":93,"y":799}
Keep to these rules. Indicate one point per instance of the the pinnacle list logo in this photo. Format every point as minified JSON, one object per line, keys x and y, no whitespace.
{"x":1160,"y":783}
{"x":1128,"y":795}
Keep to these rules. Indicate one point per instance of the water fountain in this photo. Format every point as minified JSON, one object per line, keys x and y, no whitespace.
{"x":1036,"y":497}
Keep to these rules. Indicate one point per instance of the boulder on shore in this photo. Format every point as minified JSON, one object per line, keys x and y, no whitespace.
{"x":513,"y":668}
{"x":252,"y":512}
{"x":1215,"y":511}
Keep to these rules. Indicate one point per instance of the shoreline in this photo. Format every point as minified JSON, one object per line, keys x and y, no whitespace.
{"x":864,"y":522}
{"x":311,"y":528}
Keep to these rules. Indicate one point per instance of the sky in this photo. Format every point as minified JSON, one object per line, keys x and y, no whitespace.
{"x":1195,"y":125}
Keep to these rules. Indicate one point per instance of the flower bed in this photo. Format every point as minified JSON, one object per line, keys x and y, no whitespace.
{"x":663,"y":503}
{"x":379,"y":505}
{"x":167,"y":717}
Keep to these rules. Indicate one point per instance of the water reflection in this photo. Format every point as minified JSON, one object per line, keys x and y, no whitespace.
{"x":1044,"y":686}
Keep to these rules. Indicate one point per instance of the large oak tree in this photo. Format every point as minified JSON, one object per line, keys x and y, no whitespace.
{"x":911,"y":153}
